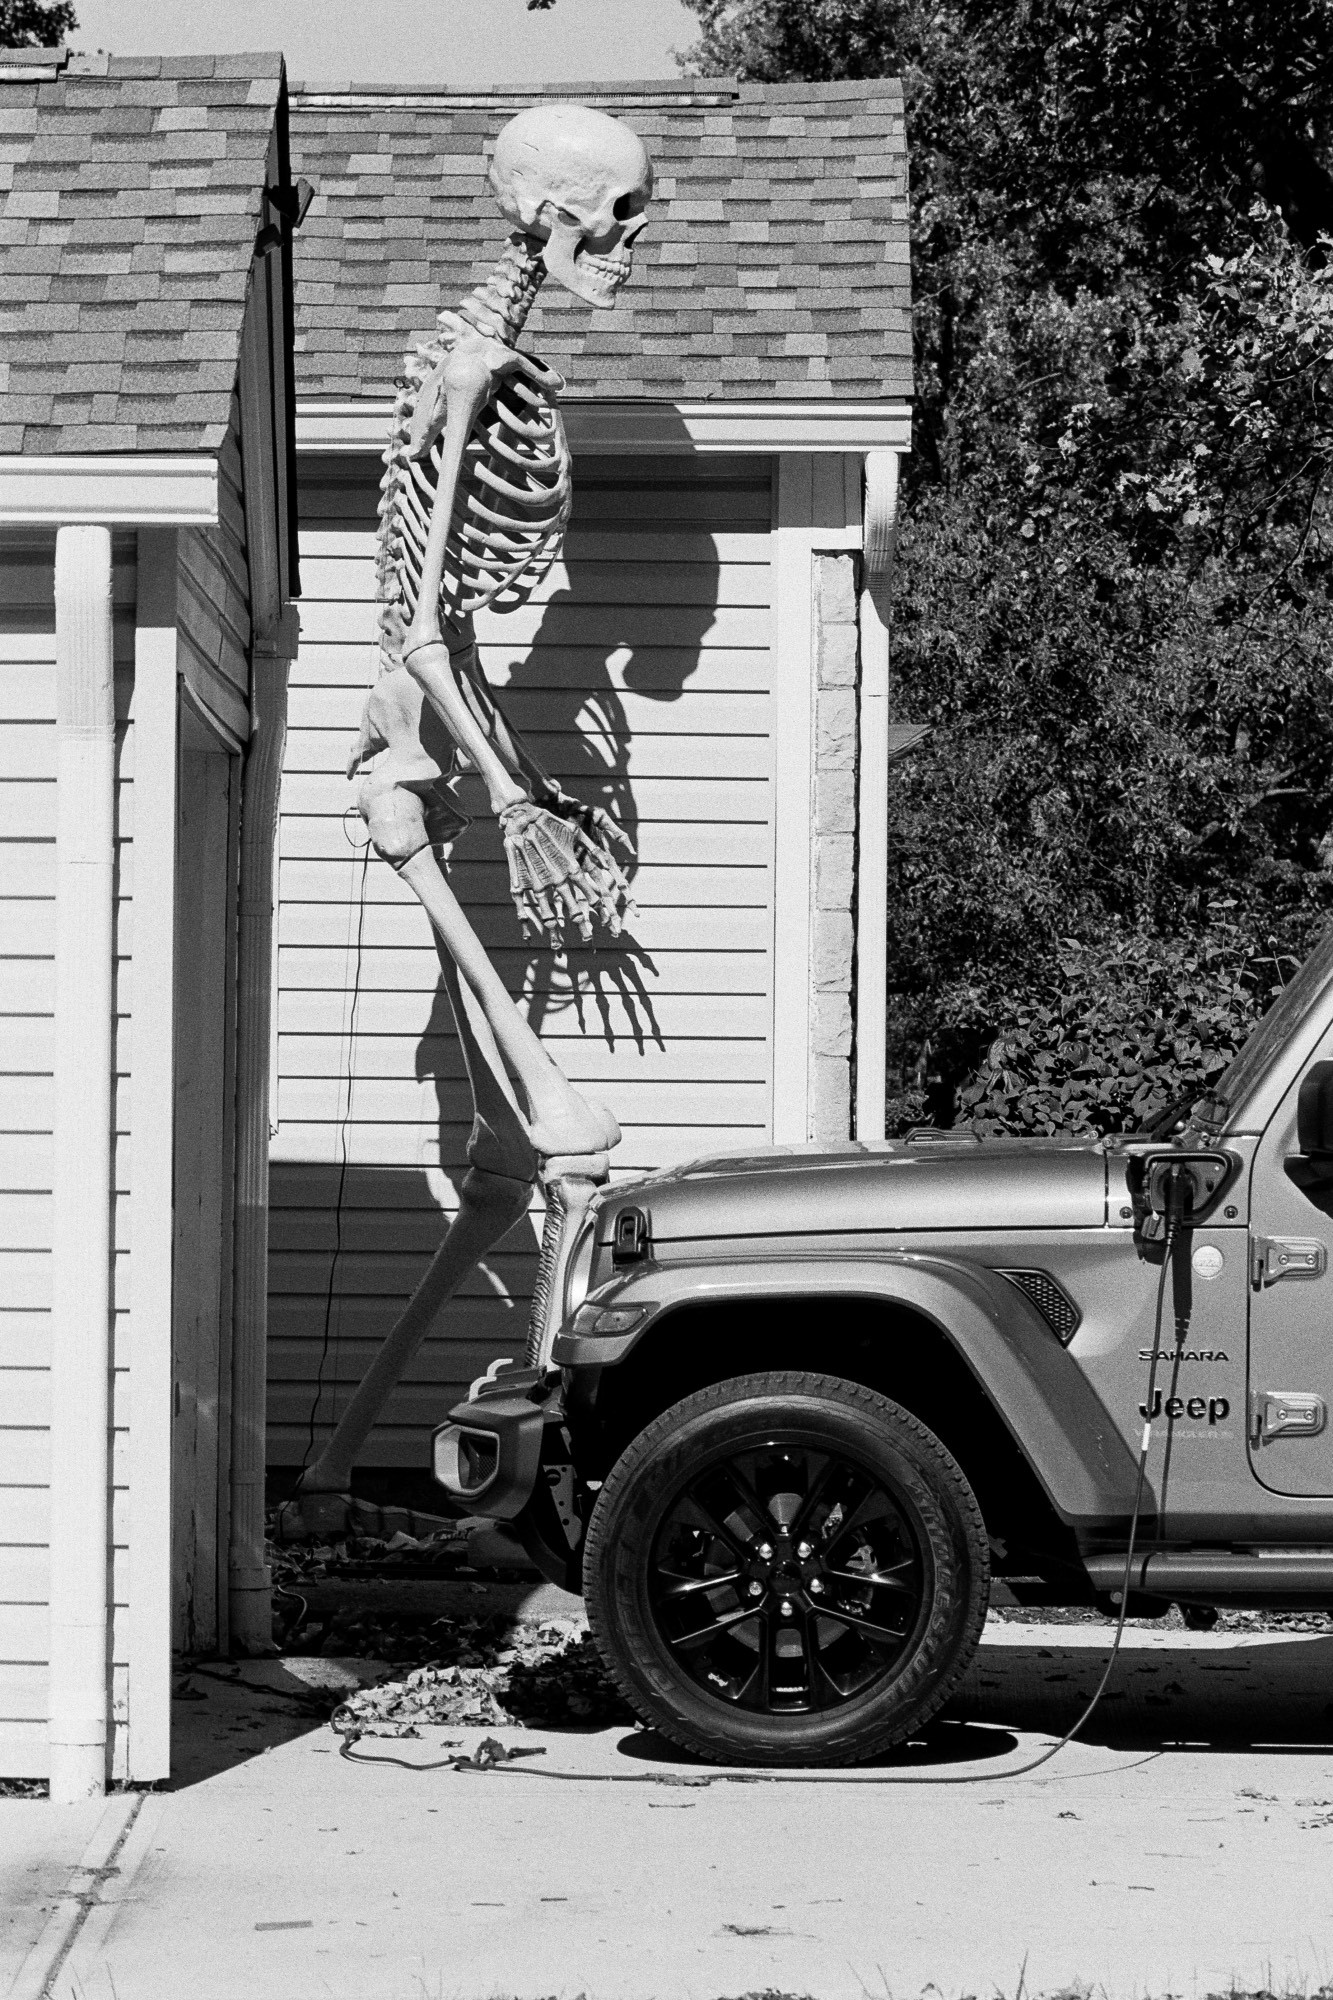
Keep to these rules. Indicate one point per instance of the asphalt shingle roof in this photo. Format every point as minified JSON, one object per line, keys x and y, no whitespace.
{"x":130,"y":194}
{"x":775,"y":262}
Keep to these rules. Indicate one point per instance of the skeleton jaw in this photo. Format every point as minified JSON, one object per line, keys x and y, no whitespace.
{"x":589,"y":275}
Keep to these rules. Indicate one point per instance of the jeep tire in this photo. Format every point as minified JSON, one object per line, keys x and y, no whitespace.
{"x":786,"y":1568}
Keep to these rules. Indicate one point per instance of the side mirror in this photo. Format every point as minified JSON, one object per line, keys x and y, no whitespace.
{"x":1314,"y":1111}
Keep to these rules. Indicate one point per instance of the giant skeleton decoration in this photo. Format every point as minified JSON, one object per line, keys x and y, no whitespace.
{"x":476,"y":495}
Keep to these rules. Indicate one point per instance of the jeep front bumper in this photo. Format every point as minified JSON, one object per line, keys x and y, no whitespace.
{"x":488,"y":1454}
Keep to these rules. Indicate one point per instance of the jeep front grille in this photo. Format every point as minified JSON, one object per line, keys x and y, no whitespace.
{"x":1051,"y":1300}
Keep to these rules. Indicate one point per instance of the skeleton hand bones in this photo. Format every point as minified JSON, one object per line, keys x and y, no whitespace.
{"x":560,"y":867}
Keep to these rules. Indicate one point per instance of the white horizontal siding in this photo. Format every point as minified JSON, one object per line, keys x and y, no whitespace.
{"x":27,"y":995}
{"x":640,"y":673}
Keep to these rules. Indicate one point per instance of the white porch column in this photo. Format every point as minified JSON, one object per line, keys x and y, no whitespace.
{"x":872,"y":875}
{"x":81,"y":1231}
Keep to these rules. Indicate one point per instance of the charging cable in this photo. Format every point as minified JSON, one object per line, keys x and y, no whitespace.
{"x":491,"y":1757}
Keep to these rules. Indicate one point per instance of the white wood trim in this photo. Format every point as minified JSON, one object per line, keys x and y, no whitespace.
{"x":817,"y":511}
{"x":129,"y":490}
{"x":152,"y":1156}
{"x":793,"y":775}
{"x":872,"y":806}
{"x":653,"y":428}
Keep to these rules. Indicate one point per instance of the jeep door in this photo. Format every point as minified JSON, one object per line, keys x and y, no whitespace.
{"x":1291,"y":1310}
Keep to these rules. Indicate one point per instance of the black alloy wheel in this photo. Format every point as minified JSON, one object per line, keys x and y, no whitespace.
{"x":786,"y":1568}
{"x":786,"y":1578}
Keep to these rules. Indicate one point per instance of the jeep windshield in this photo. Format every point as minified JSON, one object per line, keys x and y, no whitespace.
{"x":1280,"y":1025}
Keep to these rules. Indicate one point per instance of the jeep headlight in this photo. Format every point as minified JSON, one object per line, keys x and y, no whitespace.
{"x":602,"y":1321}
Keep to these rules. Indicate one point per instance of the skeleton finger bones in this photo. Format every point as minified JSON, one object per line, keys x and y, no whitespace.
{"x":558,"y":873}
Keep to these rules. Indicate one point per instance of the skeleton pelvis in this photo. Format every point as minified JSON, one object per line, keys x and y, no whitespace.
{"x":403,"y":800}
{"x":401,"y":820}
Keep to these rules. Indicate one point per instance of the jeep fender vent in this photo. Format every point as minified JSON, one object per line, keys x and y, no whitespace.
{"x":1052,"y":1301}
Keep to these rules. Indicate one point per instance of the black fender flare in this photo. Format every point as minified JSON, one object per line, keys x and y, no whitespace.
{"x":1045,"y":1401}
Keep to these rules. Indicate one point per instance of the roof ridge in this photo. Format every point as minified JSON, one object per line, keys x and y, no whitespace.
{"x":712,"y":88}
{"x":32,"y":65}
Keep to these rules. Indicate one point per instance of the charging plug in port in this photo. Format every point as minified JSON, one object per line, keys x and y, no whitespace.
{"x":1172,"y":1187}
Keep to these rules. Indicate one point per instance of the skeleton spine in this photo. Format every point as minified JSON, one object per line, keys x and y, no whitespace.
{"x":500,"y":305}
{"x":497,"y":307}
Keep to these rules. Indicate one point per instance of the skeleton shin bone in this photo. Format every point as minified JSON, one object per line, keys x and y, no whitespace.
{"x":476,"y":497}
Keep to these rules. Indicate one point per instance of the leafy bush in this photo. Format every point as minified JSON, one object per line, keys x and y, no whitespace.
{"x":28,"y":24}
{"x":1119,"y":622}
{"x":1118,"y":1039}
{"x":1114,"y":587}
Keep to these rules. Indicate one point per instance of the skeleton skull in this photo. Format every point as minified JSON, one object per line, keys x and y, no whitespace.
{"x":581,"y":182}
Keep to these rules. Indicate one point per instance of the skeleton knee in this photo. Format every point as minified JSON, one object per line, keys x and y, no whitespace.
{"x":508,"y":1153}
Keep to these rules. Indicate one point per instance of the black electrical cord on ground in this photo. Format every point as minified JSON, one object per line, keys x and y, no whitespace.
{"x":280,"y":1590}
{"x":483,"y":1763}
{"x":342,"y":1170}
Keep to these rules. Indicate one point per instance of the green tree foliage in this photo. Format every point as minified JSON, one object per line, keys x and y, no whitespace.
{"x":1113,"y":598}
{"x":35,"y":24}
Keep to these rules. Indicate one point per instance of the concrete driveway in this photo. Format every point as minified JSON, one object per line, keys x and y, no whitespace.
{"x":1186,"y":1848}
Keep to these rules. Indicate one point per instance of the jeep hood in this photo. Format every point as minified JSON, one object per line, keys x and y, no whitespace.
{"x":795,"y":1191}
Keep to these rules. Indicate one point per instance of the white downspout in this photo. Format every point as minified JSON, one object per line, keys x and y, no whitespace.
{"x":82,"y":1175}
{"x":249,"y":1585}
{"x":872,"y":807}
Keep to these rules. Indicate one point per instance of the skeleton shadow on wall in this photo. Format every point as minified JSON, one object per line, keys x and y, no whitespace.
{"x":597,"y":642}
{"x":603,"y":650}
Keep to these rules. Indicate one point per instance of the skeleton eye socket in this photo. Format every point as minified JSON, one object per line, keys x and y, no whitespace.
{"x":625,"y":207}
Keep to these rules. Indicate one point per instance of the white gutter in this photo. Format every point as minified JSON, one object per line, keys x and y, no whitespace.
{"x":81,"y":1184}
{"x":872,"y":812}
{"x":636,"y":425}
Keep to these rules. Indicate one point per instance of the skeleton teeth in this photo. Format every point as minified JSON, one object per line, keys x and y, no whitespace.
{"x":611,"y":267}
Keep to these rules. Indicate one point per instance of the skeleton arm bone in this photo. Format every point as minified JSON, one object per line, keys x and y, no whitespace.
{"x":434,"y":669}
{"x":482,"y":699}
{"x":560,"y":865}
{"x":519,"y":758}
{"x":569,"y":869}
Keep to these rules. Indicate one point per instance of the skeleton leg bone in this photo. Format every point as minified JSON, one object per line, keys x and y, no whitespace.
{"x":557,"y":1119}
{"x":510,"y":1140}
{"x":494,"y":1196}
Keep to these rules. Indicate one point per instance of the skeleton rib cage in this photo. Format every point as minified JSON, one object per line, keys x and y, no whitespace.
{"x":511,"y":505}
